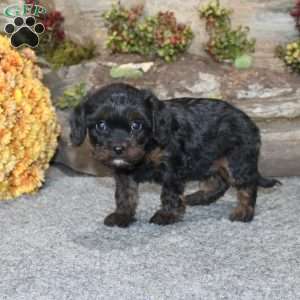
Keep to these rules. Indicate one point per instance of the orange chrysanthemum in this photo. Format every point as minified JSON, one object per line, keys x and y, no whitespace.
{"x":28,"y":125}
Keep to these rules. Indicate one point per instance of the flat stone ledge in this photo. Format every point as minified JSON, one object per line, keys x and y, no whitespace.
{"x":280,"y":152}
{"x":283,"y":107}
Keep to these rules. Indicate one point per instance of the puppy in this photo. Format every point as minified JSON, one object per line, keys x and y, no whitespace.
{"x":144,"y":139}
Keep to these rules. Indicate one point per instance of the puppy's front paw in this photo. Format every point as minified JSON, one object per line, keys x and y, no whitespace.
{"x":119,"y":219}
{"x":165,"y":218}
{"x":242,"y":214}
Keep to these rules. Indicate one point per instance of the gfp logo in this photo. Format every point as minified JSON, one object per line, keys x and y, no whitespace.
{"x":24,"y":29}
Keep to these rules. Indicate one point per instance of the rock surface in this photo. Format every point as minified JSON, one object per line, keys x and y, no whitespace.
{"x":65,"y":77}
{"x":271,"y":98}
{"x":280,"y":152}
{"x":269,"y":21}
{"x":266,"y":94}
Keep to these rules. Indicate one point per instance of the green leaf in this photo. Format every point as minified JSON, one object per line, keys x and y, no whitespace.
{"x":117,"y":72}
{"x":72,"y":96}
{"x":243,"y":62}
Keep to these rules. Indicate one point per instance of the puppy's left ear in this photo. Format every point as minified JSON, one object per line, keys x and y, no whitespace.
{"x":78,"y":125}
{"x":161,"y":118}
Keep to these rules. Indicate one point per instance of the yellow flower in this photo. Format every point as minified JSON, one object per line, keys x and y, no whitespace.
{"x":18,"y":96}
{"x":28,"y":125}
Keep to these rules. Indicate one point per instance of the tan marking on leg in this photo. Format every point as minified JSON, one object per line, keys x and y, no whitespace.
{"x":208,"y":185}
{"x":222,"y":166}
{"x":245,"y":210}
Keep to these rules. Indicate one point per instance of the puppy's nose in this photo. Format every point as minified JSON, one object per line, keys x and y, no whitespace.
{"x":118,"y":149}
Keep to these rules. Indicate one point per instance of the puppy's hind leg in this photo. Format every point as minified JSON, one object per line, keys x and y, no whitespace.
{"x":241,"y":165}
{"x":210,"y":191}
{"x":244,"y":212}
{"x":126,"y":196}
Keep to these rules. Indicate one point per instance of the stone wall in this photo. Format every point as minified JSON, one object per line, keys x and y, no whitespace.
{"x":269,"y":96}
{"x":269,"y":21}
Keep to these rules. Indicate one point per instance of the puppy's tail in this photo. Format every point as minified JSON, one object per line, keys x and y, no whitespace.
{"x":267,"y":182}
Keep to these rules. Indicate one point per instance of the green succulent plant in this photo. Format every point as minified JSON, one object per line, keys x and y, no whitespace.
{"x":225,"y":43}
{"x":291,"y":55}
{"x":56,"y":48}
{"x":160,"y":35}
{"x":230,"y":44}
{"x":216,"y":16}
{"x":72,"y":96}
{"x":69,"y":53}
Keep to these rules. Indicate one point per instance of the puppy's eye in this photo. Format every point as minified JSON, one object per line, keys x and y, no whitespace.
{"x":101,"y":126}
{"x":136,"y":125}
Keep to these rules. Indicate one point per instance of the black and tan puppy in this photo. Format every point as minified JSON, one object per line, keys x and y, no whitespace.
{"x":171,"y":142}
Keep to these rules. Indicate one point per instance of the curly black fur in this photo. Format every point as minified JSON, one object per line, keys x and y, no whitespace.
{"x":171,"y":142}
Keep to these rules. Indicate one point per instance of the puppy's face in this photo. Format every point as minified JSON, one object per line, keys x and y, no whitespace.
{"x":119,"y":122}
{"x":119,"y":130}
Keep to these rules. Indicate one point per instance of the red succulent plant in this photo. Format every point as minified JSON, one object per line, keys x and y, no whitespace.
{"x":295,"y":13}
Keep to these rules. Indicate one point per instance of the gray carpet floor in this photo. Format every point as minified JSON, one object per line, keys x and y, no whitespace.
{"x":54,"y":246}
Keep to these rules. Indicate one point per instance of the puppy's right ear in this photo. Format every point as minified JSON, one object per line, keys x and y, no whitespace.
{"x":78,"y":125}
{"x":161,"y":119}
